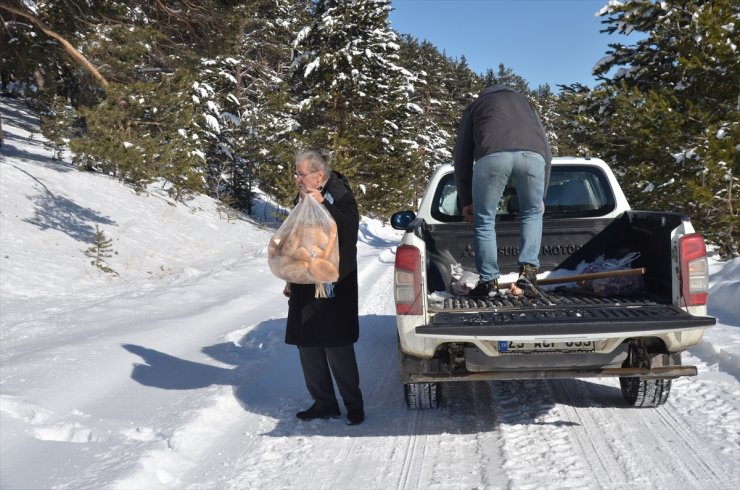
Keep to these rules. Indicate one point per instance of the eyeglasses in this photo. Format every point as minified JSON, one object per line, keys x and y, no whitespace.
{"x":303,"y":176}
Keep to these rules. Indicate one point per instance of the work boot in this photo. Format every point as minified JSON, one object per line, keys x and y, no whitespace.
{"x":318,"y":412}
{"x":527,"y":281}
{"x":484,"y":289}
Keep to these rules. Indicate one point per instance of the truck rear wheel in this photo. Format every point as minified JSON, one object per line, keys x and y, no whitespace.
{"x":645,"y":392}
{"x":640,"y":392}
{"x":421,"y":395}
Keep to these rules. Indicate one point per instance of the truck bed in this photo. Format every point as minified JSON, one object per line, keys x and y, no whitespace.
{"x":565,"y":244}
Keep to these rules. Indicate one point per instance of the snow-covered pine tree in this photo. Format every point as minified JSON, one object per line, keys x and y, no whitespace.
{"x":672,"y":109}
{"x":465,"y":84}
{"x":545,"y":101}
{"x":352,"y":97}
{"x":34,"y":62}
{"x":265,"y":57}
{"x":432,"y":98}
{"x":506,"y":76}
{"x":573,"y":123}
{"x":217,"y":124}
{"x":133,"y":135}
{"x":240,"y":96}
{"x":147,"y":51}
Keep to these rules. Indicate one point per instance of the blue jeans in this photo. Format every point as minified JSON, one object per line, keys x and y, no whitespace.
{"x":526,"y":171}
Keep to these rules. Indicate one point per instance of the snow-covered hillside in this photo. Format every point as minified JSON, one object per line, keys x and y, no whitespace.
{"x":173,"y":373}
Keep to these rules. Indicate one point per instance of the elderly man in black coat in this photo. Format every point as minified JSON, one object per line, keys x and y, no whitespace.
{"x":325,"y":329}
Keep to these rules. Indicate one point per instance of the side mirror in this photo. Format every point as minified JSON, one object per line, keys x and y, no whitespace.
{"x":401,"y":219}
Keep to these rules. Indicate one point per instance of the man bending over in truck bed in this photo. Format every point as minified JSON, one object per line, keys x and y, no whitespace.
{"x":501,"y":139}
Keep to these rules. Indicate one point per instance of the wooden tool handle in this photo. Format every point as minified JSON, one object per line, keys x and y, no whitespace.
{"x":584,"y":277}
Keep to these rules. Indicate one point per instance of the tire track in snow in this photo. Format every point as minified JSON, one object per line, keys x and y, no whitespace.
{"x":709,"y":469}
{"x":488,"y":443}
{"x":535,"y":436}
{"x":377,"y":271}
{"x":415,"y":471}
{"x":689,"y":460}
{"x":425,"y":455}
{"x":594,"y":431}
{"x":711,"y":403}
{"x":628,"y":446}
{"x":411,"y":467}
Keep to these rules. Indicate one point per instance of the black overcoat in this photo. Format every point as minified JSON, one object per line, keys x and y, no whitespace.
{"x":330,"y":322}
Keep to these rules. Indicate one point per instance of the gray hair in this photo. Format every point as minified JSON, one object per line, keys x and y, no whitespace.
{"x":318,"y":160}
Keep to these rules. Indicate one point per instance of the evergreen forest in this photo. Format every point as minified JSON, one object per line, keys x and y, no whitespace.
{"x":216,"y":96}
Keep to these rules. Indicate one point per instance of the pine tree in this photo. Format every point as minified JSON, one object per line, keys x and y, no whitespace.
{"x":36,"y":64}
{"x":545,"y":102}
{"x":670,"y":110}
{"x":135,"y":135}
{"x":101,"y":249}
{"x":244,"y":92}
{"x":506,"y":76}
{"x":58,"y":125}
{"x":438,"y":110}
{"x":352,"y":97}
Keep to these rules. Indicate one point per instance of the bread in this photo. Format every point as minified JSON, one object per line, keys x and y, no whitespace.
{"x":272,"y":247}
{"x":296,"y":271}
{"x":301,"y":254}
{"x":290,"y":245}
{"x":331,"y":240}
{"x":314,"y":236}
{"x":305,"y":254}
{"x":322,"y":270}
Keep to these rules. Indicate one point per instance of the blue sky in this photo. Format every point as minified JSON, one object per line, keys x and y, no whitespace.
{"x":544,"y":41}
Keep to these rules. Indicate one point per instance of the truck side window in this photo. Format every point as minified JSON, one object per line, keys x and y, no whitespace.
{"x":448,"y":204}
{"x":445,"y":207}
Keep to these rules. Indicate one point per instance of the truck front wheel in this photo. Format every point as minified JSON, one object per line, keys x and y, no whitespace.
{"x":421,"y":395}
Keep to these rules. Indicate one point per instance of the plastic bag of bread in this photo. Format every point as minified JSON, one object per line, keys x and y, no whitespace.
{"x":304,"y":250}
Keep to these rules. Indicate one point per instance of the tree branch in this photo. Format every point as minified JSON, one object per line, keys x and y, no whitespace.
{"x":68,"y":48}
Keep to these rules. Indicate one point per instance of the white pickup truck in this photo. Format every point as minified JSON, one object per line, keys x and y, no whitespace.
{"x":564,"y":332}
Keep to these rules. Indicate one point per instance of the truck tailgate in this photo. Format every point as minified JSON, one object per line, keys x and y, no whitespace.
{"x":557,"y":315}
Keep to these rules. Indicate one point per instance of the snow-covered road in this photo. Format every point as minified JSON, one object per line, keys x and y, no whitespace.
{"x":175,"y":374}
{"x":150,"y":401}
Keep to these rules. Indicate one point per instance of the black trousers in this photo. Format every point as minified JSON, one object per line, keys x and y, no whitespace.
{"x":319,"y":363}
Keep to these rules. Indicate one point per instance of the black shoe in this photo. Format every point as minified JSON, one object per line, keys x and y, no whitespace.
{"x":484,"y":290}
{"x":316,"y":412}
{"x":527,"y":281}
{"x":355,"y":416}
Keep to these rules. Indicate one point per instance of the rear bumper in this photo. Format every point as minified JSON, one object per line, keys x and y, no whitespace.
{"x":664,"y":372}
{"x":609,"y":321}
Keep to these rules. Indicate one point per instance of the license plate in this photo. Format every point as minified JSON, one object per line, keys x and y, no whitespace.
{"x":512,"y":347}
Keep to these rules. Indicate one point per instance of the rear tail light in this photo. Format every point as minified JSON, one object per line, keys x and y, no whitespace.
{"x":407,"y":280}
{"x":694,"y":270}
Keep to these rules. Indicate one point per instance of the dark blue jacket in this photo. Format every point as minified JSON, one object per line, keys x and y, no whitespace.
{"x":499,"y":119}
